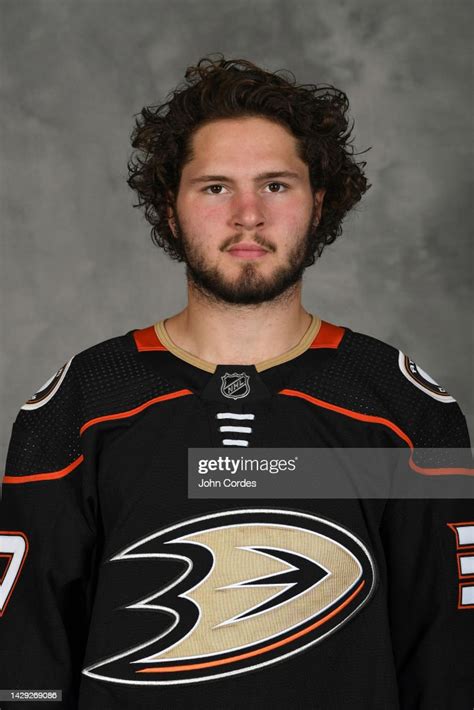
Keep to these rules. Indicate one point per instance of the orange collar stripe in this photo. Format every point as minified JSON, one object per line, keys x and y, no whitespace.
{"x":329,"y":336}
{"x":147,"y":339}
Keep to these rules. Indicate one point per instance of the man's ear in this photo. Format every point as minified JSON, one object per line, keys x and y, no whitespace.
{"x":170,"y":214}
{"x":318,"y":202}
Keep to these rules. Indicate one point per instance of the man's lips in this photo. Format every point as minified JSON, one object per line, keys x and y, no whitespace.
{"x":247,"y":250}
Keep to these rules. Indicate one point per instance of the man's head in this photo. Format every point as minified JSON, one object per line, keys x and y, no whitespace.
{"x":208,"y":176}
{"x":245,"y":185}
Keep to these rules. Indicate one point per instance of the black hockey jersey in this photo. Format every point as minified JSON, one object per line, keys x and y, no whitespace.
{"x":122,"y":591}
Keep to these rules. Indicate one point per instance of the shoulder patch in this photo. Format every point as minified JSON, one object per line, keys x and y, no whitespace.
{"x":49,"y":389}
{"x":421,"y":379}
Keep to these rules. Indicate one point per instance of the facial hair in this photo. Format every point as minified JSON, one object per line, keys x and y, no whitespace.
{"x":251,"y":287}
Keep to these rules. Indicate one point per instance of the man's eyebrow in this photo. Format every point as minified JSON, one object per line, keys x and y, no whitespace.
{"x":257,"y":178}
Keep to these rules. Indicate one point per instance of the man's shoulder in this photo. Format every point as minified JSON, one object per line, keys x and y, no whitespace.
{"x":90,"y":361}
{"x":104,"y":354}
{"x":106,"y":377}
{"x":376,"y":380}
{"x":105,"y":382}
{"x":387,"y":367}
{"x":115,"y":376}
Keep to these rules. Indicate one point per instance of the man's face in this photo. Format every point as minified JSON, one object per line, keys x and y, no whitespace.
{"x":231,"y":195}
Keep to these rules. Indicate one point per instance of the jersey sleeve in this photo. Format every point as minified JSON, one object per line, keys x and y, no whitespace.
{"x":429,"y":553}
{"x":48,"y":542}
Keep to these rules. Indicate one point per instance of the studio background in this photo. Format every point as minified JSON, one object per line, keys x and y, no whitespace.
{"x":77,"y":262}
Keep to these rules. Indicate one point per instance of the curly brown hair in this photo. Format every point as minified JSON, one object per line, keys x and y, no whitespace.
{"x":219,"y":88}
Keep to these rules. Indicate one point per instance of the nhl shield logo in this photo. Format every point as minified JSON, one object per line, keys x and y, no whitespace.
{"x":235,"y":385}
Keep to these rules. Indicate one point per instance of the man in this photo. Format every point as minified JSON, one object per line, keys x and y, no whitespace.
{"x":124,"y":591}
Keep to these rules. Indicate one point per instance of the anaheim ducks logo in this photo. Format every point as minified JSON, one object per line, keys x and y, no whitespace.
{"x":421,"y":379}
{"x":256,"y":586}
{"x":48,"y":390}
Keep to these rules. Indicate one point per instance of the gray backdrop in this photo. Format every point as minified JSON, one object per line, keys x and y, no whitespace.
{"x":78,"y":265}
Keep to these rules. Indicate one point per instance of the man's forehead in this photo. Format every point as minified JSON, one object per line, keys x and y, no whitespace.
{"x":223,"y":153}
{"x":259,"y":135}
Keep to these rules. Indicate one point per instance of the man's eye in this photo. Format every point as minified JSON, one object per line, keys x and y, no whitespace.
{"x":280,"y":184}
{"x":211,"y":186}
{"x":216,"y":189}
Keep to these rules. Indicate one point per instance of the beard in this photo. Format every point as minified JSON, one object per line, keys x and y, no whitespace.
{"x":250,"y":287}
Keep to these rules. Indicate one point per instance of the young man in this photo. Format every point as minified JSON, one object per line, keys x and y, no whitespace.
{"x":123,"y":591}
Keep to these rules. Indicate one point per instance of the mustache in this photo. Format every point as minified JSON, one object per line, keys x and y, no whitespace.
{"x":259,"y":241}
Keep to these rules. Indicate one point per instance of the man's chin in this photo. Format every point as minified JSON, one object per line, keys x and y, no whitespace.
{"x":237,"y":293}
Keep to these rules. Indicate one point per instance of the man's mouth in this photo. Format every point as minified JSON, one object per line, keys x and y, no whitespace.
{"x":247,"y":251}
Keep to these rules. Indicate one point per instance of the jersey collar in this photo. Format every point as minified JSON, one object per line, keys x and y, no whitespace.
{"x":319,"y":334}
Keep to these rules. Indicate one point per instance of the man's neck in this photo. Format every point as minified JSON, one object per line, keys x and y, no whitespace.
{"x":238,"y":335}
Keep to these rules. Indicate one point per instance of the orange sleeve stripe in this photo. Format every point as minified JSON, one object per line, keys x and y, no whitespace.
{"x":441,"y":471}
{"x":349,"y":413}
{"x":120,"y":415}
{"x":135,"y":410}
{"x":45,"y":476}
{"x":384,"y":422}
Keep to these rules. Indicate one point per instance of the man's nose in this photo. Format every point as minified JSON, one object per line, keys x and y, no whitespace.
{"x":248,"y":211}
